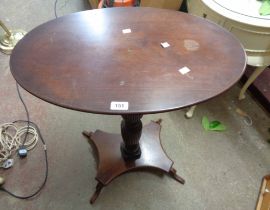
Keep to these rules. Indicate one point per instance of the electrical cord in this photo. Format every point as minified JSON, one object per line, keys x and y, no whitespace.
{"x":11,"y":140}
{"x":25,"y":137}
{"x":44,"y":147}
{"x":26,"y":110}
{"x":46,"y":161}
{"x":55,"y":9}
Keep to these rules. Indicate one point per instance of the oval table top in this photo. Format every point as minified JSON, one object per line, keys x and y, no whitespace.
{"x":84,"y":61}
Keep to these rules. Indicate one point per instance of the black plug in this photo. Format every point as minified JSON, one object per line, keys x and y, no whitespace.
{"x":22,"y":152}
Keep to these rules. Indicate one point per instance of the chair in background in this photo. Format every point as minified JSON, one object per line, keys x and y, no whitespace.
{"x":245,"y":22}
{"x":118,"y":3}
{"x":165,"y":4}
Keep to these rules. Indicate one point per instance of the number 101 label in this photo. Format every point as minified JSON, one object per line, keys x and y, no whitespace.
{"x":119,"y":105}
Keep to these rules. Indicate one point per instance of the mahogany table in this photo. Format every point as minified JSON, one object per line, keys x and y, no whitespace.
{"x":85,"y":62}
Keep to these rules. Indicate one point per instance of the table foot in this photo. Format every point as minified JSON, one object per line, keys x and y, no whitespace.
{"x":176,"y":177}
{"x":87,"y":134}
{"x":159,"y":121}
{"x":96,"y":193}
{"x":111,"y":164}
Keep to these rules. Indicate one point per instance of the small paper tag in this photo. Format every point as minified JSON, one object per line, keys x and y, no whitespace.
{"x":184,"y":70}
{"x":165,"y":44}
{"x":126,"y":31}
{"x":115,"y":105}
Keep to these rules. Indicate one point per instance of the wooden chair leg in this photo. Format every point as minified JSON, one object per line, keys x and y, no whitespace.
{"x":189,"y":113}
{"x":251,"y":79}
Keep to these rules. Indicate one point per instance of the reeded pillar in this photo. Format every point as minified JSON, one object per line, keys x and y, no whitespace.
{"x":131,"y":130}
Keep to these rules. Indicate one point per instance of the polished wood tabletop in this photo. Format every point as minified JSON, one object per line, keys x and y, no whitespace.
{"x":84,"y":61}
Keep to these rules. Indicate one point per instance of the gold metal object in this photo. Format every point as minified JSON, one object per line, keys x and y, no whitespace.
{"x":10,"y":39}
{"x":2,"y":180}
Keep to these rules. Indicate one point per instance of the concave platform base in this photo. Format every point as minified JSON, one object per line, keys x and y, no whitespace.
{"x":111,"y":164}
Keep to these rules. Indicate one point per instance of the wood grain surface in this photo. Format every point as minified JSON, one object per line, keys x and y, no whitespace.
{"x":83,"y":61}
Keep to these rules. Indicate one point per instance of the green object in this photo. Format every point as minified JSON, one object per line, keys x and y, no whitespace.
{"x":205,"y":123}
{"x":213,"y":125}
{"x":265,"y":8}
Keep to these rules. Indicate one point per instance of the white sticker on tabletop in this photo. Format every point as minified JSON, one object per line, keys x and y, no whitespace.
{"x":115,"y":105}
{"x":165,"y":44}
{"x":184,"y":70}
{"x":126,"y":31}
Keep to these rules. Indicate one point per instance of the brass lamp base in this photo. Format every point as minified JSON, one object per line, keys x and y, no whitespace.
{"x":8,"y":42}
